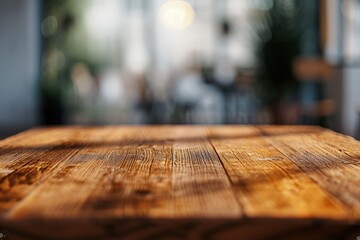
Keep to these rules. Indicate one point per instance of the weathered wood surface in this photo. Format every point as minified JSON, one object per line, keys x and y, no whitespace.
{"x":195,"y":182}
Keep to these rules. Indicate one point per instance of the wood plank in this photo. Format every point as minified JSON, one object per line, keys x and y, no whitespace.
{"x":266,"y":182}
{"x":193,"y":182}
{"x":345,"y":144}
{"x":331,"y":169}
{"x":140,"y":184}
{"x":135,"y":180}
{"x":69,"y":186}
{"x":200,"y":183}
{"x":41,"y":154}
{"x":15,"y":151}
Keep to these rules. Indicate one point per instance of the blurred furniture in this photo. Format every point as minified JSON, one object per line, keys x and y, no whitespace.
{"x":246,"y":102}
{"x":180,"y":182}
{"x":357,"y":131}
{"x":313,"y":73}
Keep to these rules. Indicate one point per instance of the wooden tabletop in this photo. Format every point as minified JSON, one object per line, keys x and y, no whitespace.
{"x":160,"y":182}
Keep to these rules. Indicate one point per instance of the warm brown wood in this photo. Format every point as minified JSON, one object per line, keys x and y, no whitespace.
{"x":201,"y":186}
{"x":195,"y":182}
{"x":266,"y":181}
{"x":322,"y":160}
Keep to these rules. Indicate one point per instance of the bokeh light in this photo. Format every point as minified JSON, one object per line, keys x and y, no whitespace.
{"x":177,"y":14}
{"x":103,"y":18}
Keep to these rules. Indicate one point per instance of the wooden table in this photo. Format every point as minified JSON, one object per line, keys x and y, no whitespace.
{"x":196,"y":182}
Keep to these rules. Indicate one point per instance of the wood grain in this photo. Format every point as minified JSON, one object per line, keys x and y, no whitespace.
{"x":331,"y":168}
{"x":194,"y":182}
{"x":201,"y":186}
{"x":266,"y":181}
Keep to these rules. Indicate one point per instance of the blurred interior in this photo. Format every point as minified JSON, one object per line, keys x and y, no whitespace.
{"x":97,"y":62}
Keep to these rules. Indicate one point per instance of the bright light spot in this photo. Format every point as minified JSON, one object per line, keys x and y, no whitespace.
{"x":111,"y":89}
{"x":137,"y":59}
{"x":103,"y":18}
{"x":177,"y":14}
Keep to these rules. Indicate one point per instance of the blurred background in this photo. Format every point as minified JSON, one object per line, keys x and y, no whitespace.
{"x":98,"y":62}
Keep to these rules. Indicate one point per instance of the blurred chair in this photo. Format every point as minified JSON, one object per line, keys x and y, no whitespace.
{"x":313,"y":74}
